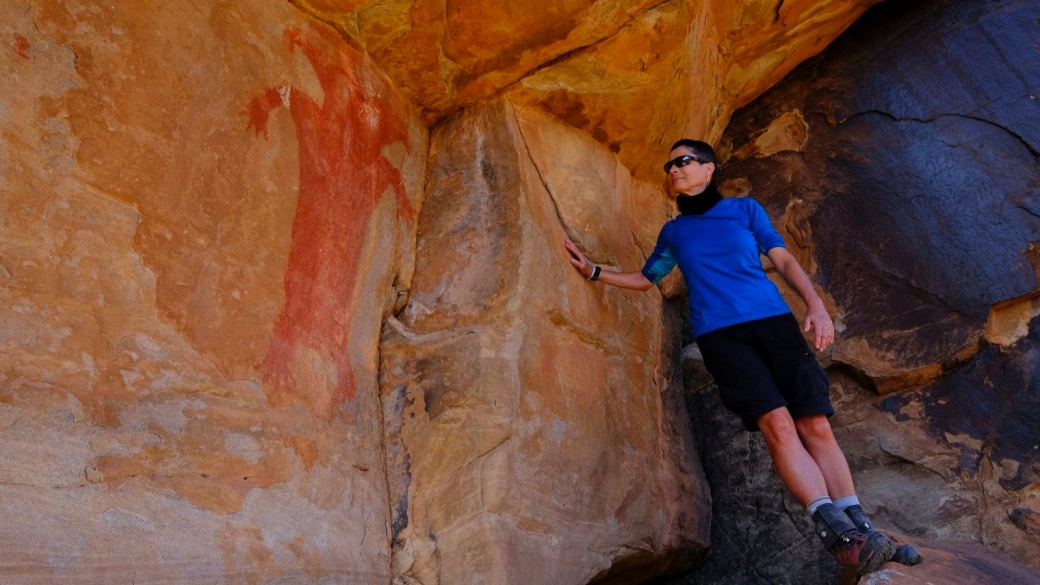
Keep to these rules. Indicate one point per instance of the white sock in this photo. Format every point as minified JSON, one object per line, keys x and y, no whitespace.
{"x":847,"y":501}
{"x":813,"y":505}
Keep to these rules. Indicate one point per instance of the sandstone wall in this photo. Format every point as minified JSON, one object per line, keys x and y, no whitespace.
{"x":181,"y":185}
{"x":208,"y":215}
{"x":253,"y":329}
{"x":902,"y":166}
{"x":535,"y":427}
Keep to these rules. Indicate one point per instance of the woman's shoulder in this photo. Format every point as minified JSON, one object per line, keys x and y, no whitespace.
{"x":670,"y":225}
{"x":745,"y":201}
{"x":745,"y":205}
{"x":670,"y":228}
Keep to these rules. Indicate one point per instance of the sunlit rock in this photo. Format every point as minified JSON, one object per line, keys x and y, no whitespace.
{"x":636,"y":76}
{"x":535,"y":423}
{"x":204,"y":215}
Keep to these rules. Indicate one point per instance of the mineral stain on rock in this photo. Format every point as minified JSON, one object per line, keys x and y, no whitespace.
{"x":21,"y":46}
{"x":343,"y":176}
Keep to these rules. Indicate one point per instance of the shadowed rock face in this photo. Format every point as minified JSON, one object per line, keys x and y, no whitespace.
{"x":970,"y":440}
{"x":759,"y":533}
{"x":908,"y":185}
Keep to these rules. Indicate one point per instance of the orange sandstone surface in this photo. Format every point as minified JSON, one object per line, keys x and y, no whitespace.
{"x":169,"y":408}
{"x":209,"y":216}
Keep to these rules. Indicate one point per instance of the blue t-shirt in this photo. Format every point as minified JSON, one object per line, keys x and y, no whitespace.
{"x":718,"y":254}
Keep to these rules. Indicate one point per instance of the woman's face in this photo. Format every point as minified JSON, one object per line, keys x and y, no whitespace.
{"x":691,"y":179}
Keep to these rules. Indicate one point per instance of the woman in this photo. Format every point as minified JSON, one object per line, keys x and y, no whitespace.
{"x":754,"y":349}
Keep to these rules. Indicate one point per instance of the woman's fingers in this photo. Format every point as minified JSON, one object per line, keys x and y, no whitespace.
{"x":809,"y":325}
{"x":824,"y":333}
{"x":574,"y":252}
{"x":824,"y":330}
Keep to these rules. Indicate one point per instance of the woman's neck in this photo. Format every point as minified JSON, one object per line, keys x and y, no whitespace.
{"x":703,"y":189}
{"x":699,"y":203}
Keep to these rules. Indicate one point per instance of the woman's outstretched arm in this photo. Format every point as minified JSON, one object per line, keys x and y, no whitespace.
{"x":630,"y":280}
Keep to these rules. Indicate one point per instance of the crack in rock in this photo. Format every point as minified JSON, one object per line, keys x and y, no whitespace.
{"x":1033,"y":150}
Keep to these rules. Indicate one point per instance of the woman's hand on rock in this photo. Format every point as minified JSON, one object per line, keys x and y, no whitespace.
{"x":578,"y":259}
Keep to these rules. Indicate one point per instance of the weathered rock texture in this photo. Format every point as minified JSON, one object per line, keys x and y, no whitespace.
{"x":759,"y":533}
{"x":535,"y":421}
{"x":905,"y":453}
{"x":954,"y":563}
{"x":634,"y":75}
{"x":680,"y":69}
{"x":179,"y":189}
{"x":908,"y":185}
{"x":910,"y":188}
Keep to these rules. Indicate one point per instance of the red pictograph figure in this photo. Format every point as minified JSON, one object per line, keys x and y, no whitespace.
{"x":343,"y":175}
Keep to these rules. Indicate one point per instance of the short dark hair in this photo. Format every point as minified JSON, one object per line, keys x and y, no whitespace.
{"x":702,"y":150}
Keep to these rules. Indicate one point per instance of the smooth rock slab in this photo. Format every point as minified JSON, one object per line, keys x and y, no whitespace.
{"x":953,"y":563}
{"x":535,"y":430}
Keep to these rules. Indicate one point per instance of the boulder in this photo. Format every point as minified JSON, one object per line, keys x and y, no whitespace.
{"x":535,"y":423}
{"x":953,"y":563}
{"x":759,"y":533}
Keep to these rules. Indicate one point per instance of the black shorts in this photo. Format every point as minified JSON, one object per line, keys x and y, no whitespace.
{"x":764,"y":364}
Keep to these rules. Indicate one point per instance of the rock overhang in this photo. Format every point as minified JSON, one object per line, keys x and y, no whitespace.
{"x":636,"y":75}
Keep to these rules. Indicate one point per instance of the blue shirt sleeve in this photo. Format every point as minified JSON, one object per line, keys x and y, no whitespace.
{"x":663,"y":260}
{"x":763,"y":230}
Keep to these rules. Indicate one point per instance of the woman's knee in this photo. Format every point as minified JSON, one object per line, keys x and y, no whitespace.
{"x":777,"y":426}
{"x":814,"y":429}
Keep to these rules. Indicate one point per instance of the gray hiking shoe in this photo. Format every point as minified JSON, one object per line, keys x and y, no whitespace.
{"x":862,"y":553}
{"x":905,"y":554}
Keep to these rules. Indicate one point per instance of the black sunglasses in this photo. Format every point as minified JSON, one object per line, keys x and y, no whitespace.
{"x":681,"y":161}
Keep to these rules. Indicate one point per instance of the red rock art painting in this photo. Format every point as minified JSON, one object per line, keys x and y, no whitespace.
{"x":343,"y":175}
{"x":21,"y":46}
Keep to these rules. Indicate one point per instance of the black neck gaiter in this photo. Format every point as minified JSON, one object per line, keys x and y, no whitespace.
{"x":700,"y":203}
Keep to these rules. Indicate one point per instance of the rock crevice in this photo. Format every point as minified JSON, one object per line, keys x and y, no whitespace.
{"x":1032,"y":149}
